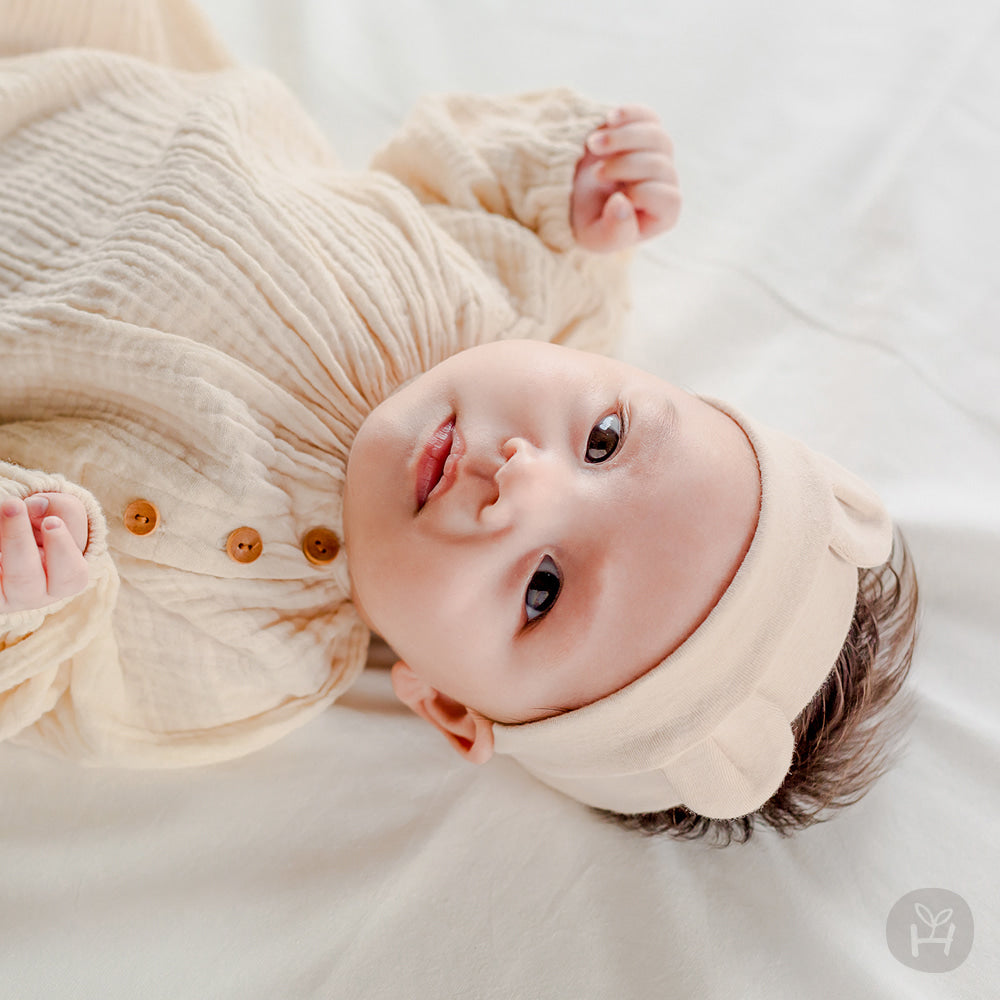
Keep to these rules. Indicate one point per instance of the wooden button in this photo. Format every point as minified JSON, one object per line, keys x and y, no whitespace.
{"x":320,"y":546}
{"x":141,"y":517}
{"x":244,"y":545}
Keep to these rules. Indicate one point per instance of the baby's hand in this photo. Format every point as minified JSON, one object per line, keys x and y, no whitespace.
{"x":625,"y":189}
{"x":42,"y":541}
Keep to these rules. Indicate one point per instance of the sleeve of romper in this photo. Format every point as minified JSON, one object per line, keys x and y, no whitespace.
{"x":497,"y":174}
{"x":171,"y":32}
{"x":36,"y":647}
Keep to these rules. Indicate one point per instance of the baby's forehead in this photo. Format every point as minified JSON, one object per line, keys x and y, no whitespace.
{"x":536,"y":359}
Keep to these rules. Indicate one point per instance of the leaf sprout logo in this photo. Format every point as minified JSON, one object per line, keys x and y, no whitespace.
{"x":930,"y":930}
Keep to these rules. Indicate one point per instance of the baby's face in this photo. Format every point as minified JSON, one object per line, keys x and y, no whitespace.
{"x":586,"y":519}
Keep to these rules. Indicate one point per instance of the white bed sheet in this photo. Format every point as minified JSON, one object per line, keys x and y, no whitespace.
{"x":835,"y":273}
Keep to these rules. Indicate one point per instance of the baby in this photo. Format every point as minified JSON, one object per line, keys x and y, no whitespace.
{"x":655,"y":604}
{"x":256,"y":406}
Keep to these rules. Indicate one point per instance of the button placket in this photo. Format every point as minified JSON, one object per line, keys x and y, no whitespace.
{"x":320,"y":545}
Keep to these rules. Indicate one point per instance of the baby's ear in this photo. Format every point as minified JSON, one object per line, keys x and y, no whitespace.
{"x":470,"y":733}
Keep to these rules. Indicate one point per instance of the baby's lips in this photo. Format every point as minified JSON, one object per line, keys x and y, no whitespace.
{"x":433,"y":460}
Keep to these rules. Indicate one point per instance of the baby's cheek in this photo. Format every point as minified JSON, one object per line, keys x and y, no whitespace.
{"x":445,"y":609}
{"x":387,"y":587}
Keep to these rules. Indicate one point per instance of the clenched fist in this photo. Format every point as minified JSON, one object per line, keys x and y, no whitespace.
{"x":42,"y":541}
{"x":625,"y":189}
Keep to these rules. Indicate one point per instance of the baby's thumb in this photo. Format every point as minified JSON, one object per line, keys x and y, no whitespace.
{"x":618,"y":225}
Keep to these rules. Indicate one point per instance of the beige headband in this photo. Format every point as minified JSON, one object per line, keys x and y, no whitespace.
{"x":709,"y":727}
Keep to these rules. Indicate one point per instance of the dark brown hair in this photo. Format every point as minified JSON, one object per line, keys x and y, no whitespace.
{"x":848,"y":735}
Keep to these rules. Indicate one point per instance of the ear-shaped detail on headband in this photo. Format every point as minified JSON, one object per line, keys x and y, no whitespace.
{"x":861,"y":531}
{"x":736,"y":769}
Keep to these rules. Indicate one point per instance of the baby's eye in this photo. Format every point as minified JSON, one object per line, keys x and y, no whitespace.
{"x":604,"y":438}
{"x":543,"y":589}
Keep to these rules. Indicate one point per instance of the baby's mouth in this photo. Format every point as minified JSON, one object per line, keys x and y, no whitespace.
{"x":431,"y":466}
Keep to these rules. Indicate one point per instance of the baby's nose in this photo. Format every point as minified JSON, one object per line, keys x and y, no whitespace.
{"x":531,"y":487}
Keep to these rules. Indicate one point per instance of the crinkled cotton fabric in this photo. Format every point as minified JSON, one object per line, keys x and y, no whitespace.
{"x":198,"y":309}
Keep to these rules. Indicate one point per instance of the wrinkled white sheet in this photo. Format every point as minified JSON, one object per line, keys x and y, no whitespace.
{"x":836,"y":273}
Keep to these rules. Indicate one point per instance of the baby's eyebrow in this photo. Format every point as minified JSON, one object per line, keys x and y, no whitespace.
{"x":648,"y":430}
{"x":664,"y":420}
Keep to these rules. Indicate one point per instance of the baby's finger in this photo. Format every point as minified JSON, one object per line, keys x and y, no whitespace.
{"x":64,"y":506}
{"x":37,"y":506}
{"x":618,"y":227}
{"x":22,"y":565}
{"x":632,"y":113}
{"x":65,"y":567}
{"x":628,"y":168}
{"x":658,"y":205}
{"x":630,"y":138}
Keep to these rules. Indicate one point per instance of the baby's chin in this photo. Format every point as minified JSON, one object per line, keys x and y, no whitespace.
{"x":376,"y":488}
{"x":354,"y":549}
{"x":383,"y":416}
